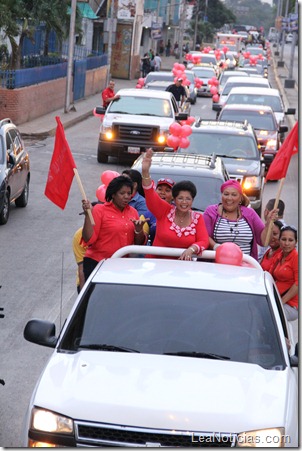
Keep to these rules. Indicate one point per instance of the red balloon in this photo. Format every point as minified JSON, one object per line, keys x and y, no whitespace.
{"x":184,"y":142}
{"x":141,"y":81}
{"x":225,"y":49}
{"x":138,"y":86}
{"x":186,"y":130}
{"x":101,"y":193}
{"x":215,"y":98}
{"x":190,"y":120}
{"x":173,"y":141}
{"x":182,"y":67}
{"x":229,"y":254}
{"x":213,"y":90}
{"x":107,"y":176}
{"x":175,"y":129}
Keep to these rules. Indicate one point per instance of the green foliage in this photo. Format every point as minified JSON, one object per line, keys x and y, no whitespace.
{"x":255,"y":13}
{"x":19,"y":18}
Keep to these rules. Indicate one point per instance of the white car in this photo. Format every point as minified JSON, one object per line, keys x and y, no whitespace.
{"x":164,"y":352}
{"x":260,"y":96}
{"x":233,"y":82}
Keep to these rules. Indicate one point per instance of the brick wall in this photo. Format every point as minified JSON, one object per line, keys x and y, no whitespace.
{"x":24,"y":104}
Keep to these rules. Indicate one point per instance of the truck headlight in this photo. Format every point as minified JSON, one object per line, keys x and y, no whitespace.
{"x":161,"y":139}
{"x":107,"y":132}
{"x":47,"y":421}
{"x":263,"y":438}
{"x":251,"y":183}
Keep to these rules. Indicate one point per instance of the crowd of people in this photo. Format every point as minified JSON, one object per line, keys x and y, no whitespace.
{"x":139,"y":210}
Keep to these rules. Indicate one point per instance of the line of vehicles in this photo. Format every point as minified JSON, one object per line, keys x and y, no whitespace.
{"x":163,"y":352}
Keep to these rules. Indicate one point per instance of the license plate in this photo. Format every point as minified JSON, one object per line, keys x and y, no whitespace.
{"x":134,"y":149}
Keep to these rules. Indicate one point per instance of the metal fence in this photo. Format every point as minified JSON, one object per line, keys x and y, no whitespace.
{"x":19,"y":78}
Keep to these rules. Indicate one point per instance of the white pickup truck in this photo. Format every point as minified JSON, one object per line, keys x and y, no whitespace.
{"x":139,"y":119}
{"x":165,"y":352}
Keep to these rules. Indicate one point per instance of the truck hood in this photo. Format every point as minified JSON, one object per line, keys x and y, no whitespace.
{"x":242,"y":167}
{"x":163,"y":122}
{"x":168,"y":392}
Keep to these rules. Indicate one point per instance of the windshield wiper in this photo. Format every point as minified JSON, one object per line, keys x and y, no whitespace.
{"x":119,"y":112}
{"x":104,"y":347}
{"x":147,"y":114}
{"x":199,"y":355}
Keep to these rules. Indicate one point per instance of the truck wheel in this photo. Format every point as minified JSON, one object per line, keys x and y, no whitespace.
{"x":4,"y":212}
{"x":22,"y":200}
{"x":258,"y":211}
{"x":102,"y":158}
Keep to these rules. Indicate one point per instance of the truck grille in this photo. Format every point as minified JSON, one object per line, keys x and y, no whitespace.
{"x":89,"y":434}
{"x":135,"y":133}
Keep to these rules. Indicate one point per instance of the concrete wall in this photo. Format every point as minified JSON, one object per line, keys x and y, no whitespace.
{"x":24,"y":104}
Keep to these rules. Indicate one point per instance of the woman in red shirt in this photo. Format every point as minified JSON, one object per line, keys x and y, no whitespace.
{"x":272,"y":253}
{"x":176,"y":225}
{"x":117,"y":224}
{"x":285,"y":272}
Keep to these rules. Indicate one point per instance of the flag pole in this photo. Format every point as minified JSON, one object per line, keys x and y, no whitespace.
{"x":76,"y":173}
{"x":270,"y":226}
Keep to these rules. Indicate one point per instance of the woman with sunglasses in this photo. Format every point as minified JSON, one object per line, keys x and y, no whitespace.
{"x":176,"y":225}
{"x":285,"y":271}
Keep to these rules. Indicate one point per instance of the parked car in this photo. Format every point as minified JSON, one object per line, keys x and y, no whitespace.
{"x":236,"y":144}
{"x":206,"y":172}
{"x":14,"y":169}
{"x":260,"y":96}
{"x":139,"y":119}
{"x":236,"y":82}
{"x":161,"y":76}
{"x":161,"y":352}
{"x":269,"y":133}
{"x":204,"y":73}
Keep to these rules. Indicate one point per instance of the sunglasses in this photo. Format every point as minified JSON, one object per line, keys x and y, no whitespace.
{"x":166,"y":180}
{"x":287,"y":227}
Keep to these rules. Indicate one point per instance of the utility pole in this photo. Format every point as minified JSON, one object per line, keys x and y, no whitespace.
{"x":196,"y":24}
{"x":70,"y":56}
{"x":290,"y":82}
{"x":110,"y":41}
{"x":182,"y":27}
{"x":281,"y":62}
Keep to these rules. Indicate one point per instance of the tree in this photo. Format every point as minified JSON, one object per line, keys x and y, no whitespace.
{"x":19,"y":19}
{"x":209,"y":16}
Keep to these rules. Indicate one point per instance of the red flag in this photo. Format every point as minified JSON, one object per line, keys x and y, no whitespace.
{"x":279,"y":166}
{"x":61,"y":167}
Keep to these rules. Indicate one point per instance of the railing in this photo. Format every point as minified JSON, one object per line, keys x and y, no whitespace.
{"x":12,"y":79}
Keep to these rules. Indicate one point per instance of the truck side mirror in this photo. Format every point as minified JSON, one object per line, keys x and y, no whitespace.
{"x":290,"y":111}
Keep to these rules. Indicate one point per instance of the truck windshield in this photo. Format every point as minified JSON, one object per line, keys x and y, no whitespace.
{"x":165,"y":320}
{"x":141,"y":106}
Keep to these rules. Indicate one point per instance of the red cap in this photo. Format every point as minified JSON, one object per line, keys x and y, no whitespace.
{"x":168,"y":182}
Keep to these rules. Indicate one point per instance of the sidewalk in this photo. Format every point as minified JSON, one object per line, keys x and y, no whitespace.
{"x":46,"y":125}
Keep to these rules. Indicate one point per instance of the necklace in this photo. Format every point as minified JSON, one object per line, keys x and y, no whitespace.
{"x":233,"y":227}
{"x":181,"y":219}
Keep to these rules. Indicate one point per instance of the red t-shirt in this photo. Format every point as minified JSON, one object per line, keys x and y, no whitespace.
{"x":113,"y":230}
{"x":168,"y":234}
{"x":107,"y":94}
{"x":287,"y":274}
{"x":268,"y":262}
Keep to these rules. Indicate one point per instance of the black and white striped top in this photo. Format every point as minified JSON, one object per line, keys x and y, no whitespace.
{"x":238,"y":232}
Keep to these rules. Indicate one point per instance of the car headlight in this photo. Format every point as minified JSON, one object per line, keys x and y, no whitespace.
{"x":107,"y":132}
{"x":46,"y":421}
{"x":251,"y":183}
{"x":263,"y":438}
{"x":272,"y":143}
